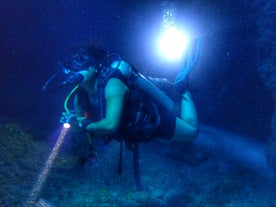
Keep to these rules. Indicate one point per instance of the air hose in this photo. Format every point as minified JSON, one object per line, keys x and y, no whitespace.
{"x":68,"y":97}
{"x":68,"y":111}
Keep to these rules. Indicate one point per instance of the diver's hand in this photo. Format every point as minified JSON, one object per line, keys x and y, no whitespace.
{"x":66,"y":117}
{"x":83,"y":122}
{"x":80,"y":119}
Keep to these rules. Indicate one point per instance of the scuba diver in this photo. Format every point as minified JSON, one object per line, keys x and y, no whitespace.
{"x":114,"y":100}
{"x":109,"y":101}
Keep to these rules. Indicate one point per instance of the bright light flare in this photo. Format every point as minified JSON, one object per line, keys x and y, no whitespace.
{"x":66,"y":125}
{"x":46,"y":169}
{"x":173,"y":44}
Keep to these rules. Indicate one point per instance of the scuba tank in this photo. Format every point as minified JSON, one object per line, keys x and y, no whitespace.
{"x":140,"y":82}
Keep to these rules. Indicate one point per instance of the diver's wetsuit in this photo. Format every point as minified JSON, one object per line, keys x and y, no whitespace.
{"x":166,"y":125}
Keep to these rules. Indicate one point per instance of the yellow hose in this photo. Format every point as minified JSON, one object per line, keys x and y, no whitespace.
{"x":68,"y":97}
{"x":67,"y":110}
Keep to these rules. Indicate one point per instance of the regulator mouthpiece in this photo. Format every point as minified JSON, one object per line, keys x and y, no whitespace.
{"x":73,"y":77}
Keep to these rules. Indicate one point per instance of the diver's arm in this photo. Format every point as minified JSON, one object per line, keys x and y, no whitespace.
{"x":116,"y":93}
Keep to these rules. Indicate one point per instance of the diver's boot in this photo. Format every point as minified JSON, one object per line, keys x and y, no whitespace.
{"x":182,"y":86}
{"x":181,"y":82}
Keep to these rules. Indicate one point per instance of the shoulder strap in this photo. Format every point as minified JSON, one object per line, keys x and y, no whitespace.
{"x":105,"y":75}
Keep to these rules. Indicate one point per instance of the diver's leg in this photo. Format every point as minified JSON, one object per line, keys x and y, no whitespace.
{"x":188,"y":110}
{"x":186,"y":128}
{"x":184,"y":131}
{"x":189,"y":61}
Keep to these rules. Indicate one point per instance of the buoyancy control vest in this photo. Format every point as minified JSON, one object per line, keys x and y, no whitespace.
{"x":141,"y":115}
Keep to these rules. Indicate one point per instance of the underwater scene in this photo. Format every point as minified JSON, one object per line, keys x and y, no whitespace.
{"x":149,"y":103}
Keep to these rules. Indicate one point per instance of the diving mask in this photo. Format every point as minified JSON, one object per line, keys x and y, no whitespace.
{"x":80,"y":62}
{"x":69,"y":73}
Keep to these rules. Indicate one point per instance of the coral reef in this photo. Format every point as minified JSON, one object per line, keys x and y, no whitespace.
{"x":168,"y":180}
{"x":20,"y":159}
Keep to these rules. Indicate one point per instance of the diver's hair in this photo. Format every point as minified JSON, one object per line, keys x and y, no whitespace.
{"x":97,"y":52}
{"x":92,"y":49}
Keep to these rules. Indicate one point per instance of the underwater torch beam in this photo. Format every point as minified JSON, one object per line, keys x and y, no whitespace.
{"x":46,"y":169}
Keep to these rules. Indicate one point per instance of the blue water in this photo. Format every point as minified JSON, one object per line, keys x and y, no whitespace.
{"x":233,"y":85}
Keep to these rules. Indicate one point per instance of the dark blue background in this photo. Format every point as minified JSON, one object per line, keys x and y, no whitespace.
{"x":36,"y":34}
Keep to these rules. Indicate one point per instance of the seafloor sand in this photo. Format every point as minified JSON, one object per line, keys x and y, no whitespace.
{"x":173,"y":175}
